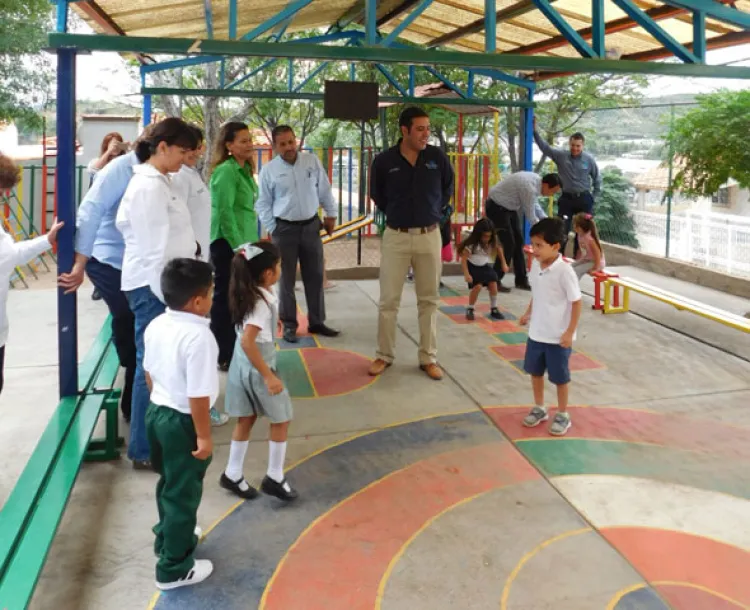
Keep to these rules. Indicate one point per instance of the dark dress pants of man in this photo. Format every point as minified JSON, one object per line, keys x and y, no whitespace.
{"x":221,"y":320}
{"x":300,"y":241}
{"x":106,"y":279}
{"x":568,"y":206}
{"x":508,"y":226}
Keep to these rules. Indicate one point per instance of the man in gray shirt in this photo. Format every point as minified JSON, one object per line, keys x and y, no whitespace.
{"x":513,"y":197}
{"x":581,"y":180}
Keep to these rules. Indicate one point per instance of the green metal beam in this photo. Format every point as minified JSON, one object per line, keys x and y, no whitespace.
{"x":314,"y":97}
{"x":181,"y":46}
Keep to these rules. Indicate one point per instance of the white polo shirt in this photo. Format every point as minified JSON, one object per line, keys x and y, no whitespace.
{"x":553,"y":290}
{"x":180,"y":356}
{"x":262,"y":316}
{"x":156,"y":226}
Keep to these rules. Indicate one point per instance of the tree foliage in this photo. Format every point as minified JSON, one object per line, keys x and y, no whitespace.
{"x":614,"y":220}
{"x":25,"y":73}
{"x":710,"y":142}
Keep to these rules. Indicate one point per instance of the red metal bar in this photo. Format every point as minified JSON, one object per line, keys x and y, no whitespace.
{"x":486,"y":181}
{"x":43,"y":223}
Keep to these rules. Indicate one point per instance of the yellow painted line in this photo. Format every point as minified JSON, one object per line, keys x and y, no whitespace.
{"x":691,"y":585}
{"x":528,"y":556}
{"x":622,"y":593}
{"x":301,"y":355}
{"x":154,"y":599}
{"x":397,"y":557}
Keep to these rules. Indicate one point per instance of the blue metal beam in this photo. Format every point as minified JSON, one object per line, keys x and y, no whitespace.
{"x":290,"y":74}
{"x":232,"y":19}
{"x":573,"y":37}
{"x":371,"y":22}
{"x":597,"y":27}
{"x":445,"y":80}
{"x":653,"y":28}
{"x":352,"y":72}
{"x":699,"y":35}
{"x":146,"y":119}
{"x":62,"y":16}
{"x":490,"y":26}
{"x":407,"y":21}
{"x":715,"y":10}
{"x":412,"y":78}
{"x":248,"y":76}
{"x":391,"y":79}
{"x":470,"y":86}
{"x":289,"y":11}
{"x":312,"y":75}
{"x":67,"y":314}
{"x":528,"y":150}
{"x":208,"y":12}
{"x":506,"y":78}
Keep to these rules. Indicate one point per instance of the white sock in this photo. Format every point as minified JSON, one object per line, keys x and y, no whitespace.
{"x":276,"y":457}
{"x":493,"y":301}
{"x":237,"y":451}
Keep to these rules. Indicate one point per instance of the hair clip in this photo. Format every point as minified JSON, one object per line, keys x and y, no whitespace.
{"x":588,"y":216}
{"x":249,"y":251}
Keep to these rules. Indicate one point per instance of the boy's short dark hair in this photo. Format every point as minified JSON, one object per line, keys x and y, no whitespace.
{"x":578,"y":136}
{"x":551,"y":230}
{"x":408,"y":115}
{"x":183,"y":279}
{"x":10,"y":173}
{"x":551,"y":180}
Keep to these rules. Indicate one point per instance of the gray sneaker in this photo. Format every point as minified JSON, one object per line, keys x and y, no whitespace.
{"x":218,"y":419}
{"x":535,"y":417}
{"x":560,"y":425}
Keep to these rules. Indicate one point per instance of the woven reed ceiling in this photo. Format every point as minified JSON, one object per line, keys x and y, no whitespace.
{"x":185,"y":19}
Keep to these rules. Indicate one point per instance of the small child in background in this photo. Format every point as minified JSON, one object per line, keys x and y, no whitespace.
{"x":179,"y":359}
{"x":477,"y":252}
{"x":14,"y":254}
{"x":253,"y":386}
{"x":591,"y":256}
{"x":553,"y":313}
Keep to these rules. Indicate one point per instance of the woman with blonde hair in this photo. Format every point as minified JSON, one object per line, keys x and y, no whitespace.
{"x":233,"y":222}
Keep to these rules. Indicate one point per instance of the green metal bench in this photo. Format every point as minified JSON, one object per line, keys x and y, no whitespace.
{"x":32,"y":513}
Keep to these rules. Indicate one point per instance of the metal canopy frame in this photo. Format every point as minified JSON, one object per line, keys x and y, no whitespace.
{"x":359,"y":30}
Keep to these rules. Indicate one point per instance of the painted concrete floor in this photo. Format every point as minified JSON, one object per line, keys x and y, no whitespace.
{"x":418,"y":495}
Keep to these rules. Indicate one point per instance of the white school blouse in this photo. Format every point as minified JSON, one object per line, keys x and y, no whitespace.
{"x":263,"y":315}
{"x":190,"y":187}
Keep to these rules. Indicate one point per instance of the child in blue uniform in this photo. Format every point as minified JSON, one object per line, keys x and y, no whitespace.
{"x":253,"y":386}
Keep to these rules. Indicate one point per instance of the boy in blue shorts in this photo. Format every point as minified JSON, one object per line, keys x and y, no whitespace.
{"x":553,"y":312}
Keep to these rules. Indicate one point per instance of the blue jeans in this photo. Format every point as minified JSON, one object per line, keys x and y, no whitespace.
{"x":145,"y":306}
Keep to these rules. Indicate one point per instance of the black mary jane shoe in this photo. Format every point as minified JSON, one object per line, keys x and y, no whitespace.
{"x":290,"y":335}
{"x":234,"y":486}
{"x":322,"y":329}
{"x":276,"y":489}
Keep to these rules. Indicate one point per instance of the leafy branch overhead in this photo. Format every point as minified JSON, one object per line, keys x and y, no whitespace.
{"x":710,"y":143}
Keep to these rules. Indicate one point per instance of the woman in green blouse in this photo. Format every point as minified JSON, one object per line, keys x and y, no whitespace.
{"x":233,"y":222}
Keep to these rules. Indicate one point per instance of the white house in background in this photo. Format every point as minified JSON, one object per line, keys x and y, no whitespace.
{"x":93,"y":127}
{"x":651,"y":187}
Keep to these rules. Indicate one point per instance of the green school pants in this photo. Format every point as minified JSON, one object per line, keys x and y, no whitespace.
{"x":172,"y":438}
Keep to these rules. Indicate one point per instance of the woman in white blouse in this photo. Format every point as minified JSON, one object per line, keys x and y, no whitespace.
{"x":156,"y":226}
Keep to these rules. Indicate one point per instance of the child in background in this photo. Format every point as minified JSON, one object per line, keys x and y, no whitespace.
{"x":553,"y":312}
{"x":590,"y":257}
{"x":477,"y":252}
{"x":14,"y":254}
{"x":253,"y":386}
{"x":180,"y":365}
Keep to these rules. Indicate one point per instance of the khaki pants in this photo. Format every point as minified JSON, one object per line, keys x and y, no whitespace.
{"x":422,"y":252}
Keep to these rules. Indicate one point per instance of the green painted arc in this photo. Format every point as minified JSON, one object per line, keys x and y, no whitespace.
{"x":573,"y":456}
{"x":293,"y":373}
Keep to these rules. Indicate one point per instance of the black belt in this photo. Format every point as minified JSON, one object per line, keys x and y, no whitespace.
{"x":575,"y":195}
{"x":421,"y":230}
{"x":297,"y":222}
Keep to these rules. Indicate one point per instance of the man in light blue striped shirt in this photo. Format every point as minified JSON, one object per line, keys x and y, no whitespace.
{"x":293,"y":186}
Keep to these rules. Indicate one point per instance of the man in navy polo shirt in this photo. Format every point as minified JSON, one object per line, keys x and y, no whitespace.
{"x":410,"y":183}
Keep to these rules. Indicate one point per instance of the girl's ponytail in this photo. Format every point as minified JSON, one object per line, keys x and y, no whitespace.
{"x":247,"y":277}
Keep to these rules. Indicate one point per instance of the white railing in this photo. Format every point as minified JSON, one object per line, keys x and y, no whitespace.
{"x":714,"y":241}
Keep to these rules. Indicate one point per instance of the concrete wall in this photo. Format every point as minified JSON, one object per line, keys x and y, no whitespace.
{"x":621,"y":256}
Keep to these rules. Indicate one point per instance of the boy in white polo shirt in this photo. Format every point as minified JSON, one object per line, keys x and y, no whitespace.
{"x":554,"y":311}
{"x":180,"y":364}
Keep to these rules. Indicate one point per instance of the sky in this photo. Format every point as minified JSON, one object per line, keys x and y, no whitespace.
{"x":103,"y":76}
